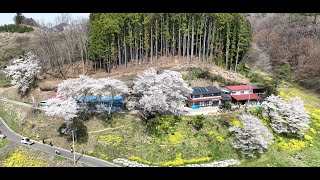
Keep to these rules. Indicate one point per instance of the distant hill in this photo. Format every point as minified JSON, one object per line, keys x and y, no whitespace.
{"x":287,"y":46}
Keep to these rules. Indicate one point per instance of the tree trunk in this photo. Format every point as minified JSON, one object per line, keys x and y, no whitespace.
{"x":188,"y":43}
{"x":192,"y":38}
{"x":208,"y":41}
{"x":161,"y":43}
{"x":119,"y":51}
{"x":204,"y":41}
{"x":200,"y":43}
{"x":237,"y":57}
{"x":151,"y":45}
{"x":137,"y":51}
{"x":156,"y":40}
{"x":227,"y":48}
{"x":141,"y":49}
{"x":184,"y":46}
{"x":179,"y":48}
{"x":196,"y":40}
{"x":125,"y":51}
{"x":212,"y":44}
{"x":173,"y":43}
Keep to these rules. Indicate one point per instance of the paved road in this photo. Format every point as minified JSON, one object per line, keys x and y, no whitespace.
{"x":15,"y":102}
{"x":16,"y":138}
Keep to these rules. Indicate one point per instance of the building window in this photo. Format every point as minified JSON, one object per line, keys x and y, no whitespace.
{"x":196,"y":96}
{"x":241,"y":92}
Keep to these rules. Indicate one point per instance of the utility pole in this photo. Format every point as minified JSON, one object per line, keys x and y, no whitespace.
{"x":74,"y":154}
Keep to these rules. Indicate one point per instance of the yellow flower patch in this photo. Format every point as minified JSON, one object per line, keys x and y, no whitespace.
{"x":113,"y":140}
{"x":308,"y":137}
{"x":313,"y":131}
{"x":176,"y":138}
{"x":178,"y":161}
{"x":292,"y":145}
{"x":217,"y":136}
{"x":21,"y":160}
{"x":236,"y":123}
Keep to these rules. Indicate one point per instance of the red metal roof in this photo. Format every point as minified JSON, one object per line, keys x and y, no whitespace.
{"x":241,"y":97}
{"x":239,"y":87}
{"x":205,"y":99}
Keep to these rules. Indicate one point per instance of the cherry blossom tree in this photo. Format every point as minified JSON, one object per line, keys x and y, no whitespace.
{"x":64,"y":108}
{"x":251,"y":137}
{"x":75,"y":87}
{"x":23,"y":72}
{"x":85,"y":85}
{"x":286,"y":116}
{"x":108,"y":87}
{"x":161,"y":93}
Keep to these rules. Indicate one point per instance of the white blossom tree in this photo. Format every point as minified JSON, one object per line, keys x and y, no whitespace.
{"x":64,"y":105}
{"x":85,"y":85}
{"x":163,"y":93}
{"x":64,"y":108}
{"x":23,"y":72}
{"x":286,"y":116}
{"x":108,"y":87}
{"x":75,"y":87}
{"x":251,"y":137}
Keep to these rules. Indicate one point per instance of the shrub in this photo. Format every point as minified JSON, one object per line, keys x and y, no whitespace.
{"x":15,"y":28}
{"x":194,"y":73}
{"x":198,"y":122}
{"x":253,"y":138}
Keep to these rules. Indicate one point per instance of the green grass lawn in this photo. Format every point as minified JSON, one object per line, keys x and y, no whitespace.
{"x":3,"y":143}
{"x":10,"y":117}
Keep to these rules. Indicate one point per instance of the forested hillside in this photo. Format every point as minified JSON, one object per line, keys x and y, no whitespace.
{"x":117,"y":39}
{"x":287,"y":45}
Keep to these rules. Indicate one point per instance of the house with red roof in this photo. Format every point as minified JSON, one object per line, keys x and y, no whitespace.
{"x":242,"y":93}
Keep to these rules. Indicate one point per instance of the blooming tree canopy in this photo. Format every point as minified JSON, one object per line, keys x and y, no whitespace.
{"x":163,"y":93}
{"x":108,"y":87}
{"x":65,"y":108}
{"x":251,"y":137}
{"x":23,"y":72}
{"x":75,"y":87}
{"x":64,"y":105}
{"x":286,"y":116}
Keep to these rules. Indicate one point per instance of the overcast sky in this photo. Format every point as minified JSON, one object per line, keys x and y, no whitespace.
{"x":7,"y":18}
